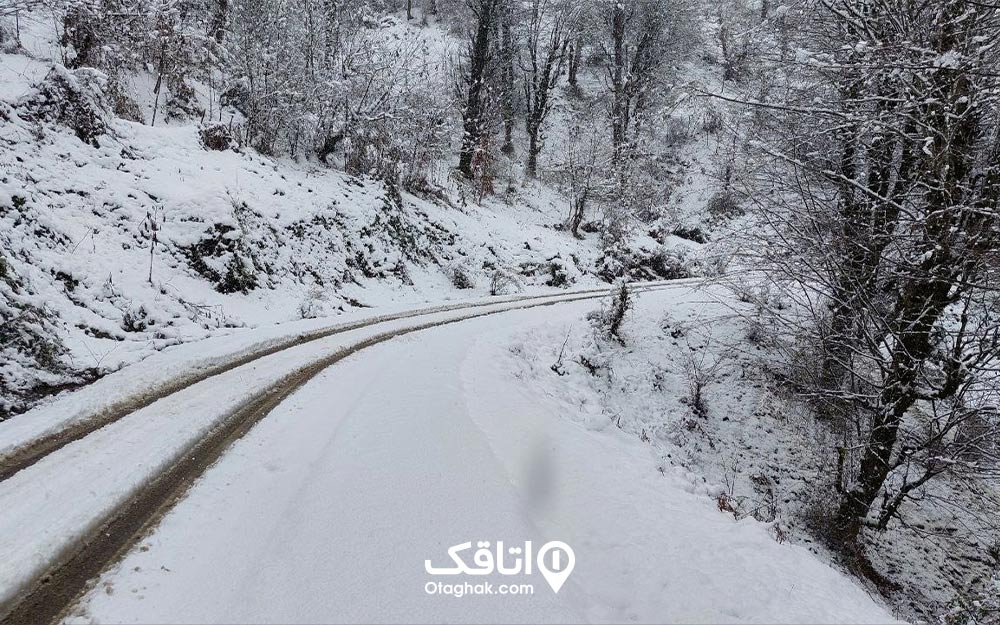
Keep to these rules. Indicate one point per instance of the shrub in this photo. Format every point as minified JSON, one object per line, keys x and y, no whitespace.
{"x":701,"y":370}
{"x":72,"y":98}
{"x":724,"y":205}
{"x":694,"y":234}
{"x":313,"y":304}
{"x":621,"y":261}
{"x":9,"y":43}
{"x":676,"y":131}
{"x":32,"y":355}
{"x":559,"y":274}
{"x":135,"y":320}
{"x":460,"y":278}
{"x":712,"y":121}
{"x":240,"y":276}
{"x":217,"y":137}
{"x":502,"y":282}
{"x":608,"y":321}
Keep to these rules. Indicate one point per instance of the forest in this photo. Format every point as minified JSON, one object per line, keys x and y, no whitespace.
{"x":832,"y":165}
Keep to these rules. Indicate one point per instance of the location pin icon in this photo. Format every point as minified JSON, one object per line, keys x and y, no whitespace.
{"x":562,"y":562}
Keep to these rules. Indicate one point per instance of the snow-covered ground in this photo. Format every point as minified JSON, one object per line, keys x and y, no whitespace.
{"x":520,"y":426}
{"x":92,"y":477}
{"x":328,"y":509}
{"x":700,"y":384}
{"x":187,"y":361}
{"x":242,"y":239}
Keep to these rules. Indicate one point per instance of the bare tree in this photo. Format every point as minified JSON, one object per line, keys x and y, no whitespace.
{"x":633,"y":37}
{"x":881,"y":228}
{"x":220,"y":17}
{"x":575,"y":59}
{"x":545,"y":51}
{"x":506,"y":57}
{"x":584,"y":167}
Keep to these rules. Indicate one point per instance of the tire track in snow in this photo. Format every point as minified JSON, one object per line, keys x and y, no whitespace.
{"x":28,"y":454}
{"x":48,"y":596}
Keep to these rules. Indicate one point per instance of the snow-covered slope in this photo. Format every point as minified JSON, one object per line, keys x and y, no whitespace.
{"x":240,"y":239}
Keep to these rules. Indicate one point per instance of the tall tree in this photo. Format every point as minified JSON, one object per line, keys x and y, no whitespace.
{"x":485,"y":13}
{"x":633,"y":41}
{"x":545,"y":51}
{"x":882,"y":230}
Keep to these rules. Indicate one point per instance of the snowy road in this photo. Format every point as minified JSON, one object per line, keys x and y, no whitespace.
{"x":328,"y":508}
{"x":75,"y":507}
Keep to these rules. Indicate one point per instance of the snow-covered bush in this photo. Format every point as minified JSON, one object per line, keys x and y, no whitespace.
{"x":724,"y":205}
{"x":503,"y":282}
{"x":240,"y":276}
{"x":217,"y":137}
{"x":314,"y":304}
{"x":622,"y":260}
{"x":9,"y":43}
{"x":32,"y":355}
{"x":135,"y":319}
{"x":560,"y":273}
{"x":71,"y":98}
{"x":691,"y":233}
{"x":607,"y":321}
{"x":460,"y":277}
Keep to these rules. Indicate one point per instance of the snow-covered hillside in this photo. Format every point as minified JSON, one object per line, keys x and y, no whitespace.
{"x":698,"y":386}
{"x":120,"y":238}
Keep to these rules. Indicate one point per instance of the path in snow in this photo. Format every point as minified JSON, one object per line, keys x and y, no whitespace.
{"x":327,"y":510}
{"x":68,"y":515}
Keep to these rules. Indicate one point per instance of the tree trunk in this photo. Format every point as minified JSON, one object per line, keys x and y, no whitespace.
{"x":576,"y":214}
{"x":938,"y":277}
{"x":619,"y":77}
{"x":507,"y":70}
{"x":531,"y":167}
{"x":474,"y":107}
{"x":921,"y":305}
{"x":574,"y":63}
{"x":219,"y":19}
{"x":331,"y":38}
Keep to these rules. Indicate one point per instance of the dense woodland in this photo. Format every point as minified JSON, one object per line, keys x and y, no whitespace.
{"x":861,"y":161}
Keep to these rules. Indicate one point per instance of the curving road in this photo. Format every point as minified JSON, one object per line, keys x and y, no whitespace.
{"x":311,"y":485}
{"x":77,"y":494}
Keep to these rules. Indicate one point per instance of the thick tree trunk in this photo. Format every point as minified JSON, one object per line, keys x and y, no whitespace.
{"x":933,"y":282}
{"x":220,"y":17}
{"x":474,"y":107}
{"x":921,"y":306}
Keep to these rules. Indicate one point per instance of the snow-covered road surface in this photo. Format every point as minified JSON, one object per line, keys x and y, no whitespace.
{"x":328,"y":508}
{"x":58,"y":512}
{"x":24,"y":440}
